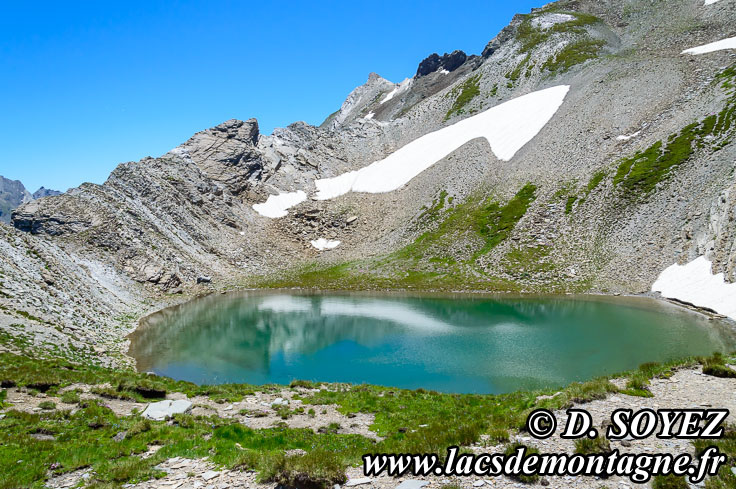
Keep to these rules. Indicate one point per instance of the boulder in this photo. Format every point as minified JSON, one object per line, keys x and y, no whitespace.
{"x":159,"y":411}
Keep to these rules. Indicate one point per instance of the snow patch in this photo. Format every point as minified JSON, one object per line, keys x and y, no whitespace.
{"x":507,"y":128}
{"x":277,"y":205}
{"x":709,"y":2}
{"x":444,"y":72}
{"x":729,"y":43}
{"x":401,"y":87}
{"x":369,"y":115}
{"x":322,"y":244}
{"x":694,"y":283}
{"x":627,"y":137}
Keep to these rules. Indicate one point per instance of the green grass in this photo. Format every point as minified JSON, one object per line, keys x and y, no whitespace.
{"x":463,"y":94}
{"x":639,"y":174}
{"x":669,"y":482}
{"x":515,"y":74}
{"x":589,"y":446}
{"x":716,"y":366}
{"x":572,"y":54}
{"x":85,"y":438}
{"x":530,"y":37}
{"x":527,"y":260}
{"x":726,"y":445}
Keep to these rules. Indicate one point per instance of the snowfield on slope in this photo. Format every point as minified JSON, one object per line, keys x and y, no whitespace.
{"x":694,"y":283}
{"x":401,"y":87}
{"x":277,"y":205}
{"x":729,"y":43}
{"x":507,"y":128}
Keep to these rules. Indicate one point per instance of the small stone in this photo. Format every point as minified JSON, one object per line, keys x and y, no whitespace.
{"x":120,"y":436}
{"x":280,"y":402}
{"x":544,"y":482}
{"x":358,"y":481}
{"x":412,"y":484}
{"x":209,"y":475}
{"x":479,"y":483}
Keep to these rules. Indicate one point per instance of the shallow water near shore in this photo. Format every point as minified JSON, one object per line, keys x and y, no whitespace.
{"x":449,"y":343}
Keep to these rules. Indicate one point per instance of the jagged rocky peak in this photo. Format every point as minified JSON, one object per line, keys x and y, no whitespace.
{"x":506,"y":34}
{"x":360,"y":98}
{"x":12,"y":194}
{"x":226,"y":153}
{"x":434,"y":62}
{"x":45,"y":192}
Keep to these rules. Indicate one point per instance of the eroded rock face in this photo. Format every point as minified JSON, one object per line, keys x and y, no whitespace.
{"x":226,"y":153}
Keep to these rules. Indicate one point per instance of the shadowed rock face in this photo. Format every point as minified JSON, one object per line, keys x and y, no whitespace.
{"x":12,"y":194}
{"x":435,"y":62}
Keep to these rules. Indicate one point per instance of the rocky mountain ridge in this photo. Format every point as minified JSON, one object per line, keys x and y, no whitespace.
{"x":13,"y":194}
{"x":634,"y":172}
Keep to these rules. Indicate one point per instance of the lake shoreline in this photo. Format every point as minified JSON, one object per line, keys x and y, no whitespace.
{"x":645,"y":302}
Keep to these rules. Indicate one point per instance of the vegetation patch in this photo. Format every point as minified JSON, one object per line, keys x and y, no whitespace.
{"x":590,"y":446}
{"x":716,"y":367}
{"x":515,"y":74}
{"x":463,"y":94}
{"x":528,"y":260}
{"x":530,"y":36}
{"x":573,"y":54}
{"x":639,"y":174}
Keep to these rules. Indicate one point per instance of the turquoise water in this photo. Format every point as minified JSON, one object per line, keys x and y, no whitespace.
{"x":449,"y":344}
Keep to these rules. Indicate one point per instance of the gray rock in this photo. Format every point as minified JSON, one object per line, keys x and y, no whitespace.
{"x":210,"y":474}
{"x":358,"y":481}
{"x":204,"y":279}
{"x":412,"y":484}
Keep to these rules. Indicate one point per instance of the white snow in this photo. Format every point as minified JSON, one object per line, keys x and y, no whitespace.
{"x":708,"y":2}
{"x":277,"y":205}
{"x":729,"y":43}
{"x":401,"y":87}
{"x":322,"y":244}
{"x":444,"y":72}
{"x":627,"y":137}
{"x":507,"y":128}
{"x":369,"y":115}
{"x":694,"y":283}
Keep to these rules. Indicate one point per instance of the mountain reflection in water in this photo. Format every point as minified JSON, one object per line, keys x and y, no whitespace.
{"x":465,"y":344}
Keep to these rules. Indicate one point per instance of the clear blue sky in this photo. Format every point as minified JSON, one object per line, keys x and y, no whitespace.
{"x":87,"y":85}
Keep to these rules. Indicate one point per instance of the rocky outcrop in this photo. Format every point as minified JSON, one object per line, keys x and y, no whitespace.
{"x":12,"y":194}
{"x":45,"y":192}
{"x":226,"y":153}
{"x":434,"y":62}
